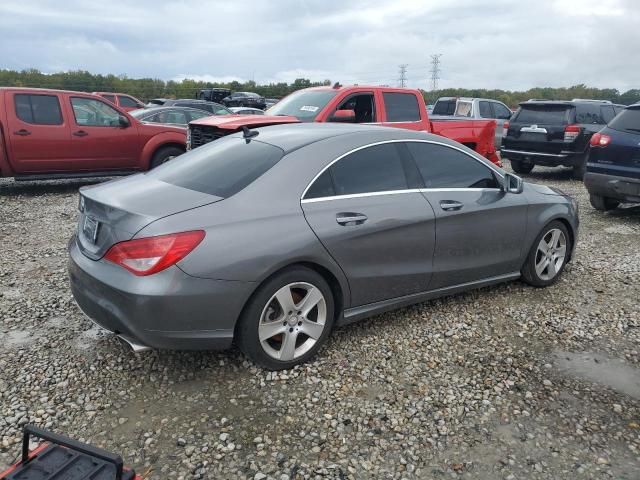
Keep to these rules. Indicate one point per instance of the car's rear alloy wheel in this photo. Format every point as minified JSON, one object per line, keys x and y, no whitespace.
{"x":548,"y":256}
{"x":293,"y":321}
{"x":287,"y":320}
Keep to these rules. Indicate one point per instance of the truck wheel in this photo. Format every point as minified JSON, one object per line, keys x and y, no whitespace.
{"x":521,"y":167}
{"x":603,"y":203}
{"x":165,"y":154}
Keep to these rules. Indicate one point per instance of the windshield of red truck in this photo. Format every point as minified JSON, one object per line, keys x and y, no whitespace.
{"x":304,"y":104}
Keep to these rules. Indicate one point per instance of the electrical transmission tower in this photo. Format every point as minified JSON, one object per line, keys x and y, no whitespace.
{"x":402,"y":81}
{"x":435,"y":70}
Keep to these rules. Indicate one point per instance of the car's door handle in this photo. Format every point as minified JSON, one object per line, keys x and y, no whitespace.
{"x":22,"y":132}
{"x":350,"y":218}
{"x":450,"y":205}
{"x":80,"y":133}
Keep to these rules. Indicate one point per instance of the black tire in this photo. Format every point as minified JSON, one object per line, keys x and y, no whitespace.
{"x":165,"y":154}
{"x":529,"y":273}
{"x":580,"y":169}
{"x":519,"y":166}
{"x":603,"y":204}
{"x":247,"y":336}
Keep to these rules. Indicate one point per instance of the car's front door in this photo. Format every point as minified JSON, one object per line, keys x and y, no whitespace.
{"x":98,"y":141}
{"x":366,"y":210}
{"x":480,"y":229}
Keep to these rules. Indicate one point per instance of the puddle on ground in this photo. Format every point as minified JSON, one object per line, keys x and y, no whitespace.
{"x":89,"y":338}
{"x":17,"y":338}
{"x":597,"y":368}
{"x":620,"y":229}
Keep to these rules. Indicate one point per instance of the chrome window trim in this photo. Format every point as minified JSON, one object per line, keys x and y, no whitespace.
{"x":302,"y":199}
{"x":359,"y":195}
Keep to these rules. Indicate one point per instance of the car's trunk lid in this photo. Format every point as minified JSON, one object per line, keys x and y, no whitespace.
{"x":115,"y":211}
{"x":539,"y":127}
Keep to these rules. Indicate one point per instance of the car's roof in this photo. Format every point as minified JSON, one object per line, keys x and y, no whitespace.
{"x":162,"y":108}
{"x":635,"y":105}
{"x":569,"y":103}
{"x":194,"y":100}
{"x":293,"y":136}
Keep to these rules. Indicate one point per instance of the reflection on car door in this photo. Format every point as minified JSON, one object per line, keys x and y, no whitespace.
{"x":479,"y":228}
{"x":379,"y":229}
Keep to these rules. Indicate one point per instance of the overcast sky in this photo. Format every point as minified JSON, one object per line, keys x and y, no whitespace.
{"x":484,"y":43}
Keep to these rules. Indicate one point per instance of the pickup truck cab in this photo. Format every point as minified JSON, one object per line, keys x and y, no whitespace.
{"x":59,"y":134}
{"x":393,"y":107}
{"x":124,"y":101}
{"x":479,"y":108}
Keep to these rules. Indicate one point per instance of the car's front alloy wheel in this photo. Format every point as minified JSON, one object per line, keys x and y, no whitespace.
{"x":548,"y":256}
{"x":287,"y":320}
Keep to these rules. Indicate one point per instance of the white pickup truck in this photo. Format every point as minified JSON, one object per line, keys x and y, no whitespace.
{"x":459,"y":108}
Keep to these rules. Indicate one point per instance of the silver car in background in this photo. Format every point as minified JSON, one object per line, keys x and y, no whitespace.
{"x":272,"y":237}
{"x":473,"y":108}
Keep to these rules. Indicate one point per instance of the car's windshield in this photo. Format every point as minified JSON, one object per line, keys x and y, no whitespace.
{"x":304,"y":104}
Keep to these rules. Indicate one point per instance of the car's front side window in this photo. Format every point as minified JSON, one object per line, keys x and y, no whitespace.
{"x":442,"y":166}
{"x":94,"y":113}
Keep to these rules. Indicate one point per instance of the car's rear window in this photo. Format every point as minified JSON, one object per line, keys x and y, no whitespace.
{"x":221,"y":168}
{"x":444,"y":107}
{"x":627,"y":121}
{"x":543,"y":114}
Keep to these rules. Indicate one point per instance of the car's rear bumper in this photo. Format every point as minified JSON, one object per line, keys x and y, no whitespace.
{"x":625,"y":189}
{"x":167,"y":310}
{"x":564,"y":158}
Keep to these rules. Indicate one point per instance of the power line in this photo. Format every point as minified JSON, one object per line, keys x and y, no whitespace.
{"x":402,"y":81}
{"x":435,"y":70}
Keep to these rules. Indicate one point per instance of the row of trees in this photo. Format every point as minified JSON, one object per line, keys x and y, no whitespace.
{"x":147,"y":88}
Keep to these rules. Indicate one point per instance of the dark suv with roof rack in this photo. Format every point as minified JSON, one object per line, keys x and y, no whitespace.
{"x":554,"y":133}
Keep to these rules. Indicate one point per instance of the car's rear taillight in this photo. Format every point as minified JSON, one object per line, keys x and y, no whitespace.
{"x":571,"y":132}
{"x":600,"y":140}
{"x":146,"y":256}
{"x":505,"y":128}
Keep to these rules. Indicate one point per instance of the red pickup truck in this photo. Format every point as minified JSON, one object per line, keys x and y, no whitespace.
{"x":393,"y":107}
{"x":57,"y":134}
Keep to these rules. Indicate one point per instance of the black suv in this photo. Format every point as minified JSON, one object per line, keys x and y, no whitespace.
{"x":613,"y":167}
{"x":245,"y":99}
{"x":213,"y":94}
{"x":554,"y":133}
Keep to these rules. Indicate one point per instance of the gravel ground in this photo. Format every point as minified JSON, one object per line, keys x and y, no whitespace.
{"x":507,"y":382}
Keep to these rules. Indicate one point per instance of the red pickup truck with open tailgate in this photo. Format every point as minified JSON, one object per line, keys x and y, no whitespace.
{"x":56,"y":134}
{"x":393,"y":107}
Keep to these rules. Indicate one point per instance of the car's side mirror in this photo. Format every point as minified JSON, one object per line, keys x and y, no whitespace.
{"x":123,"y":121}
{"x":512,"y":183}
{"x":343,"y":116}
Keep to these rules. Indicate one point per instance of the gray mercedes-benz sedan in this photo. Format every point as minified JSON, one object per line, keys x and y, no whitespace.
{"x":271,"y":237}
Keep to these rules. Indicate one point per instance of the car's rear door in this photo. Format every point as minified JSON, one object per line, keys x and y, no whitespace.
{"x":539,"y":127}
{"x":479,"y":228}
{"x":402,"y":110}
{"x":368,"y":214}
{"x":37,"y":132}
{"x":98,"y":142}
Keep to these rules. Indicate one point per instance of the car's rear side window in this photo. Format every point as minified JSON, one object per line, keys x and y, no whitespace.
{"x":221,"y":168}
{"x":127,"y":101}
{"x":401,"y":107}
{"x":446,"y":167}
{"x":444,"y":107}
{"x":627,"y":121}
{"x":589,"y":113}
{"x":543,"y":114}
{"x":111,"y":98}
{"x":38,"y":109}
